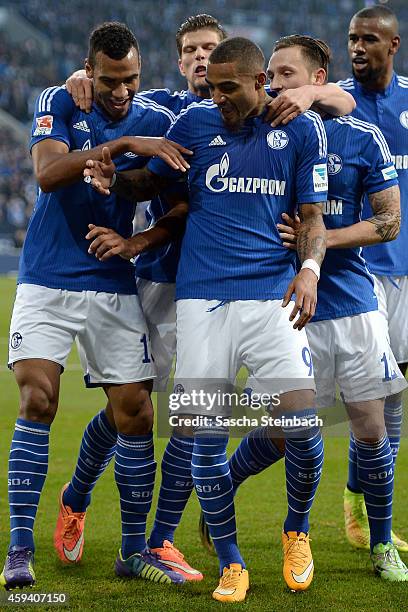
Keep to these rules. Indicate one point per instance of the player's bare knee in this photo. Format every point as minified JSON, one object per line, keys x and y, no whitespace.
{"x":367,"y":420}
{"x":37,"y":403}
{"x":369,"y":432}
{"x":133,"y":412}
{"x":292,"y":401}
{"x":38,"y":381}
{"x":135,"y":424}
{"x":144,"y":416}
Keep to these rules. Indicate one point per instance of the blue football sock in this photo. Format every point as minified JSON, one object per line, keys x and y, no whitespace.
{"x":353,"y":483}
{"x":212,"y":481}
{"x":176,"y":487}
{"x":255,"y":453}
{"x":97,"y":449}
{"x":135,"y":469}
{"x":376,"y":476}
{"x":28,"y":464}
{"x":303,"y":465}
{"x":393,"y":422}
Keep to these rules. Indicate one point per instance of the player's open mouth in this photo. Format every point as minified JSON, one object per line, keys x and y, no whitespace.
{"x":226,"y":112}
{"x":118,"y":105}
{"x":200,"y":71}
{"x":359,"y":62}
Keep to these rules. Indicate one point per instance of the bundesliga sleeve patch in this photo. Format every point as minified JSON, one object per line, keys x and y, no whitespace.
{"x":389,"y":173}
{"x":320,"y":177}
{"x":43,"y":125}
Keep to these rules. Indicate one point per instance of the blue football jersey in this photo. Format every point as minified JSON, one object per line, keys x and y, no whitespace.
{"x":55,"y":252}
{"x":388,"y":110}
{"x":240,"y":183}
{"x":359,"y":162}
{"x":160,"y":265}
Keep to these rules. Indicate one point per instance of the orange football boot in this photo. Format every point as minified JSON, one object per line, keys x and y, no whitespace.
{"x":69,"y":532}
{"x":170,"y":556}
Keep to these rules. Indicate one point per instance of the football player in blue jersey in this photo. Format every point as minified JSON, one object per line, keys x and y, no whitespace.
{"x":347,"y":335}
{"x":232,"y":276}
{"x":65,"y":294}
{"x":382,"y":99}
{"x":156,"y":269}
{"x":155,"y":277}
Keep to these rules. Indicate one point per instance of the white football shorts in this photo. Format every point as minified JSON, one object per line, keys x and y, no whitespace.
{"x":110,"y":330}
{"x":215,"y":339}
{"x":353,"y":352}
{"x":159,"y":308}
{"x":392,"y":293}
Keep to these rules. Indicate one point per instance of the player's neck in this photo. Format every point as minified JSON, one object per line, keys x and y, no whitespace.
{"x":264,"y":99}
{"x":381,"y":82}
{"x":203,"y":93}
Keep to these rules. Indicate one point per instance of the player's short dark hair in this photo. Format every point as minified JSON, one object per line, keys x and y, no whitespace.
{"x":114,"y":39}
{"x":375,"y":12}
{"x":315,"y":51}
{"x":243,"y":51}
{"x":199,"y":22}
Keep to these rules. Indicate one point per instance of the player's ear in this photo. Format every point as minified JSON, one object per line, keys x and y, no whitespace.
{"x":181,"y":67}
{"x":88,"y":69}
{"x":260,"y":80}
{"x":319,"y":76}
{"x":394,"y":46}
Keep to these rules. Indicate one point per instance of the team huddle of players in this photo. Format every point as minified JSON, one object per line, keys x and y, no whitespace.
{"x":251,"y":178}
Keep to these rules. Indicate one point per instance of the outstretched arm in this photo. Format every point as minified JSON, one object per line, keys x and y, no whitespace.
{"x":329,"y":98}
{"x":311,"y":246}
{"x":383,"y":226}
{"x":333,"y":100}
{"x":55,"y":166}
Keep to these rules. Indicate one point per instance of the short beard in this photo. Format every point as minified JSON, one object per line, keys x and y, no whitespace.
{"x":236,"y":127}
{"x":370,"y":76}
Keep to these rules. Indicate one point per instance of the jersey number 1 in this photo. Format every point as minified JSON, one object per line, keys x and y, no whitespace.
{"x":146,"y":358}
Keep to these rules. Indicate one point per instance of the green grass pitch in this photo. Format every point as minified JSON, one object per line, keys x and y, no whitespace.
{"x":343,"y":577}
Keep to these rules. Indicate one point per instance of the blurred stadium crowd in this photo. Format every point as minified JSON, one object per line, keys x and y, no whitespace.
{"x":26,"y":69}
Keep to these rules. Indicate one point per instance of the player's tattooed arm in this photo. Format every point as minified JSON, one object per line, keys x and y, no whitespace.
{"x":387,"y":213}
{"x":383,"y":226}
{"x":311,"y":244}
{"x":311,"y":240}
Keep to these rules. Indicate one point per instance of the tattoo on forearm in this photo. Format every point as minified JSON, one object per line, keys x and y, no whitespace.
{"x":311,"y":241}
{"x":387,"y":214}
{"x":387,"y":225}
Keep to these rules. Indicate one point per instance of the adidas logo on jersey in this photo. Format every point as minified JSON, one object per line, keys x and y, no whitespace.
{"x":81,"y":125}
{"x":217,"y":142}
